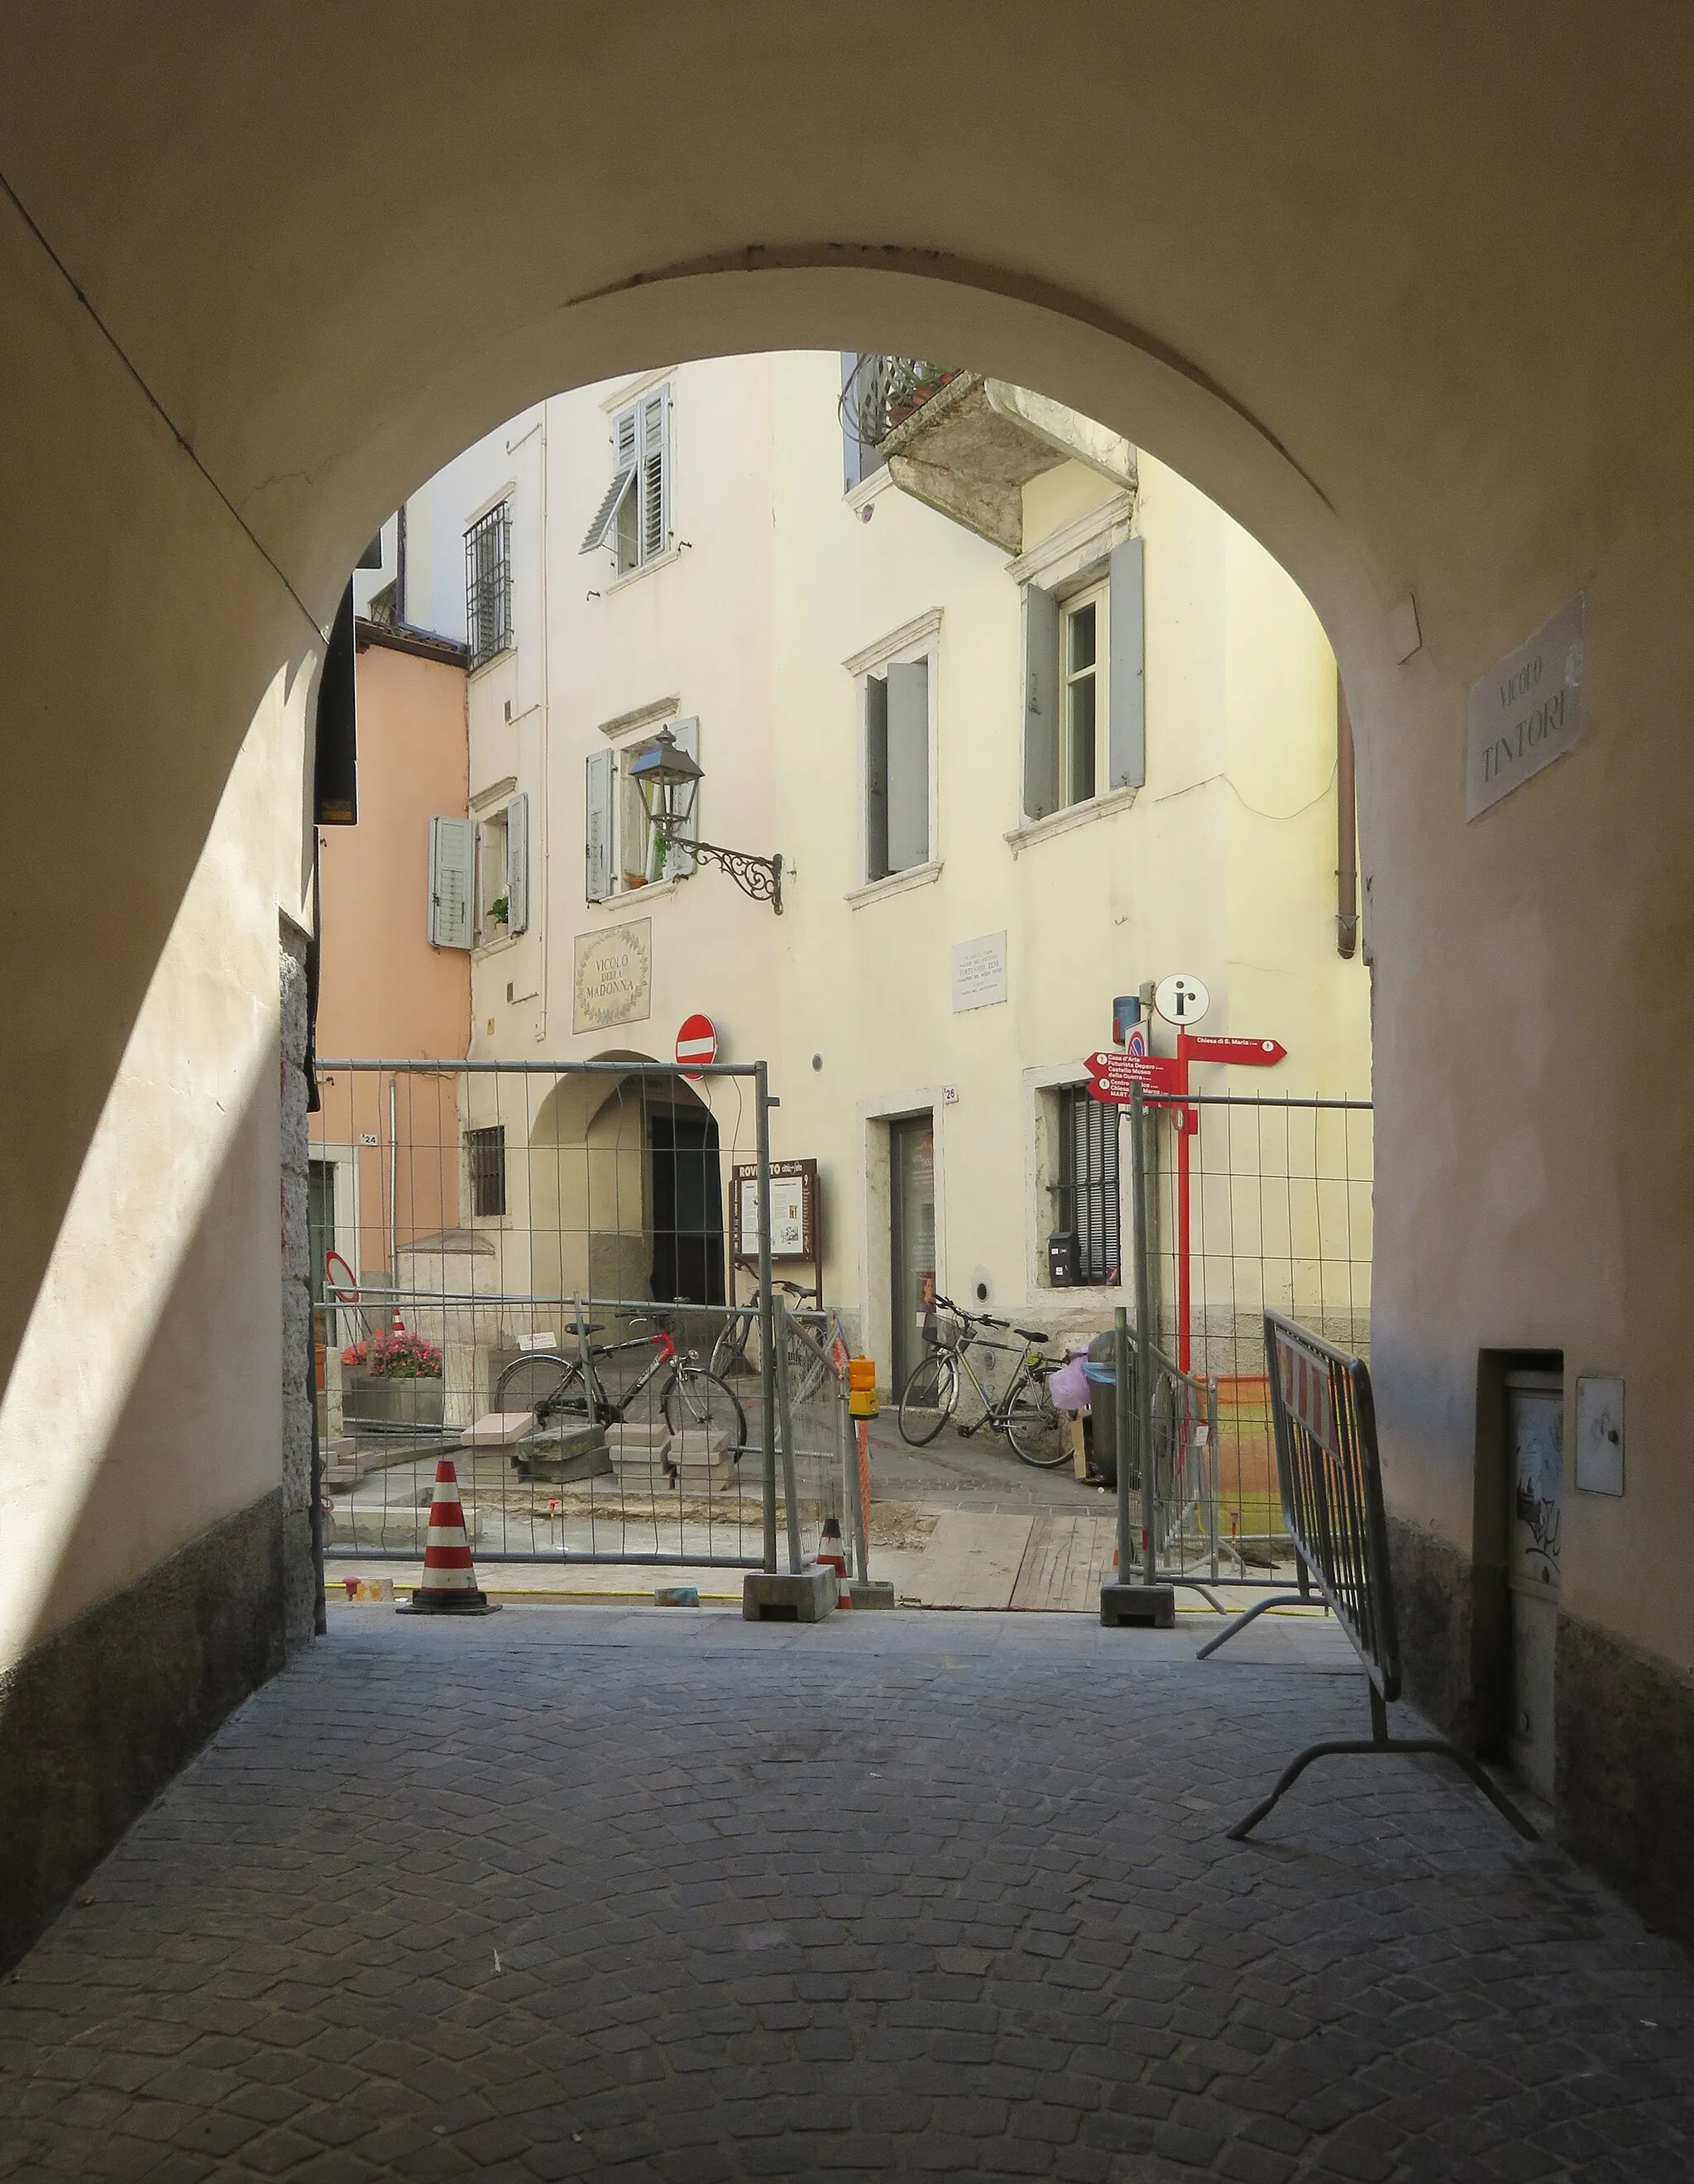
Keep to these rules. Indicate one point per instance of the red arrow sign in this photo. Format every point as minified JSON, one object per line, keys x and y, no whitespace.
{"x":1113,"y":1077}
{"x":1259,"y":1053}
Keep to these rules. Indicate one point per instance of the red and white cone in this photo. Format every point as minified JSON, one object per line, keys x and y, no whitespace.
{"x":449,"y":1584}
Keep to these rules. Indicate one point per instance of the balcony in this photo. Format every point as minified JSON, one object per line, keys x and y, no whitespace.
{"x":966,"y":445}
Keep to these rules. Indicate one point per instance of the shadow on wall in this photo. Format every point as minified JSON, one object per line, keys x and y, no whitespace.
{"x":142,"y":1591}
{"x":98,"y":1712}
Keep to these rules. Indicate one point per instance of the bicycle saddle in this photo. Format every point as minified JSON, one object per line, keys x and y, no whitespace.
{"x":1030,"y":1335}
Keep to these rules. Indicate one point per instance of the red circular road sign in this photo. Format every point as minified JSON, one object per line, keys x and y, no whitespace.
{"x":697,"y":1041}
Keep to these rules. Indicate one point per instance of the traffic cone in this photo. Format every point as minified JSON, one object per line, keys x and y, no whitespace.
{"x":449,"y":1584}
{"x":831,"y":1552}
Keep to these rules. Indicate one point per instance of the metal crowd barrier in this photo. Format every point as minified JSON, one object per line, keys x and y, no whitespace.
{"x":1329,"y":1477}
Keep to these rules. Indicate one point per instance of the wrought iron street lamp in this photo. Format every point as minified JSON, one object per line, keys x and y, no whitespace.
{"x":669,"y":782}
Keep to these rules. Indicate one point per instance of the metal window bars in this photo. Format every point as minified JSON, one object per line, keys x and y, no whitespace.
{"x":488,"y":584}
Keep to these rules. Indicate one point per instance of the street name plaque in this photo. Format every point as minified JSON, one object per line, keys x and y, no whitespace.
{"x":1527,"y":713}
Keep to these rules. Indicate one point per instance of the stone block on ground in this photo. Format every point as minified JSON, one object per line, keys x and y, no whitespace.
{"x":1138,"y":1607}
{"x":805,"y":1595}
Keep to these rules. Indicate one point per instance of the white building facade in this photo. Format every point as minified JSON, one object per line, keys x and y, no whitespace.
{"x":1031,"y":724}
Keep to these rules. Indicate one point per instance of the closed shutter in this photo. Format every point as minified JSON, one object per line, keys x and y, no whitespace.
{"x":656,"y":475}
{"x":908,"y":745}
{"x":599,"y":826}
{"x":1041,"y":703}
{"x":517,"y":865}
{"x":876,"y":779}
{"x":1126,"y":677}
{"x":679,"y":862}
{"x":452,"y":855}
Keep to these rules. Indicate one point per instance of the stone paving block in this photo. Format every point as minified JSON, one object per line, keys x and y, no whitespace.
{"x":761,"y":1909}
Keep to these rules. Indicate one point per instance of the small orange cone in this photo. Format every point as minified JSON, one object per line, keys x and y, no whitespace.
{"x":449,"y":1584}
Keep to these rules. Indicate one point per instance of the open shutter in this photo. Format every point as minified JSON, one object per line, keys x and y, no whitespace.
{"x":1040,"y":702}
{"x":452,"y":856}
{"x":908,"y":776}
{"x":517,"y":865}
{"x":1126,"y":678}
{"x":656,"y":475}
{"x":876,"y":779}
{"x":599,"y":826}
{"x":679,"y":862}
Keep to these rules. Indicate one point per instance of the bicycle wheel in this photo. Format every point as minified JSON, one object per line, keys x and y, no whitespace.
{"x":697,"y":1401}
{"x":562,"y":1390}
{"x":735,"y":1349}
{"x":1035,"y":1429}
{"x":927,"y":1401}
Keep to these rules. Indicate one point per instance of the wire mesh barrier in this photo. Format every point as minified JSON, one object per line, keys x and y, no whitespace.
{"x":1254,"y":1204}
{"x":525,"y":1265}
{"x":1329,"y":1480}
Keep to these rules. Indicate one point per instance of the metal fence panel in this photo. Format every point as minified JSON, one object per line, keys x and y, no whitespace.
{"x":526,"y":1265}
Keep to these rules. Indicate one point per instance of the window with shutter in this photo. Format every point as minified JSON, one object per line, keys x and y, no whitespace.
{"x":599,"y":826}
{"x":634,"y":518}
{"x":452,"y":854}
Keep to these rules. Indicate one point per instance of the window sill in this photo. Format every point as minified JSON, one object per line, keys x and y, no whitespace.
{"x":497,"y":945}
{"x":914,"y":876}
{"x":647,"y":569}
{"x":494,"y":660}
{"x":655,"y":890}
{"x":1073,"y":815}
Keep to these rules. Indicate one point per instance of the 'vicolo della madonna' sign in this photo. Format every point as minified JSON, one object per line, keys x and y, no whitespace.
{"x":1527,"y":713}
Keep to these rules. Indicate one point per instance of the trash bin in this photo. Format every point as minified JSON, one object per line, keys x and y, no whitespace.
{"x":1102,"y":1387}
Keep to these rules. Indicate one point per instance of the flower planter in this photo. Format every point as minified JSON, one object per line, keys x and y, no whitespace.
{"x":391,"y":1405}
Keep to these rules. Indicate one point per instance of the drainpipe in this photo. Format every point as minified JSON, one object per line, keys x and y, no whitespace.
{"x":1346,"y":831}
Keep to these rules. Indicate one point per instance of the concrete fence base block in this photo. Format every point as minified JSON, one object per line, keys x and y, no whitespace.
{"x":805,"y":1595}
{"x":867,"y":1592}
{"x":1138,"y":1607}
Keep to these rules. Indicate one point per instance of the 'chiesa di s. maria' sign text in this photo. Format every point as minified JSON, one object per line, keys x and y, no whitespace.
{"x":1527,"y":713}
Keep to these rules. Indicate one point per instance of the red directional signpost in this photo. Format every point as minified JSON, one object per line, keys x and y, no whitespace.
{"x":1112,"y":1079}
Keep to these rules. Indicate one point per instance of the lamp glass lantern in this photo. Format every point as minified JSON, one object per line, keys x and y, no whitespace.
{"x":668,"y":781}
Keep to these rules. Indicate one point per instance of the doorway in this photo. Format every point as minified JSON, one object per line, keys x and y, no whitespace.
{"x":687,"y":1206}
{"x":321,"y":1231}
{"x":912,"y":1237}
{"x":1534,"y":1483}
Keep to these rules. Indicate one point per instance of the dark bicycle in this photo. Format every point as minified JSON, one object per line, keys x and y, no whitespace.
{"x":688,"y":1396}
{"x":1023,"y":1411}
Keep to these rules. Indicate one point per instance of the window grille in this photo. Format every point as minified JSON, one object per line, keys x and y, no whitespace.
{"x":1087,"y":1188}
{"x":485,"y":1156}
{"x":488,"y":584}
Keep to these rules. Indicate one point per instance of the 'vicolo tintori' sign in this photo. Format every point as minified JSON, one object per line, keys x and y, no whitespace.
{"x":1528,"y":712}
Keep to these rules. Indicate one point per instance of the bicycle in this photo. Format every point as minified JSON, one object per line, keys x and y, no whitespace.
{"x":808,"y":1359}
{"x":1023,"y":1411}
{"x":690,"y":1397}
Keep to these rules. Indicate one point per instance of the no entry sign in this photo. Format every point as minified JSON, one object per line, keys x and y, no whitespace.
{"x":697,"y":1041}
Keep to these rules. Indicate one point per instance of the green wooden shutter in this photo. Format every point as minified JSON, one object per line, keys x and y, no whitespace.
{"x":598,"y":830}
{"x":1126,"y":675}
{"x":908,"y":765}
{"x":1041,"y":703}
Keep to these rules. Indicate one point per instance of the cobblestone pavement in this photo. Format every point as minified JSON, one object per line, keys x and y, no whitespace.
{"x":579,"y":1891}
